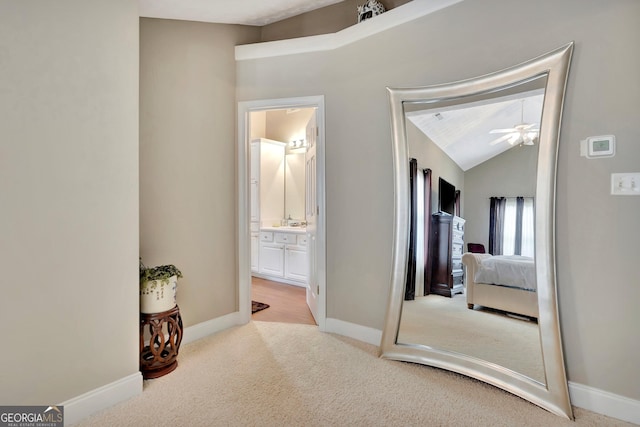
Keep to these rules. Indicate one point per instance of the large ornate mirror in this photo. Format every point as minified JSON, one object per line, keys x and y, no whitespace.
{"x":475,"y":162}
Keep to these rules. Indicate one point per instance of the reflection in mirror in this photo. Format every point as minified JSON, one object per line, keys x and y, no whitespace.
{"x":475,"y":163}
{"x":476,"y":148}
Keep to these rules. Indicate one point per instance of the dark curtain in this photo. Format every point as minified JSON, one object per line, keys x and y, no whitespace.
{"x":427,"y":226}
{"x":519,"y":211}
{"x":496,"y":224}
{"x":410,"y":285}
{"x":456,"y":211}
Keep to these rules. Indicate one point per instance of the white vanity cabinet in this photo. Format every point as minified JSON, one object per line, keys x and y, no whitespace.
{"x":283,"y":256}
{"x":295,"y":263}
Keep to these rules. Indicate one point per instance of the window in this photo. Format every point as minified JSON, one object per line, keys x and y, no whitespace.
{"x":511,"y":228}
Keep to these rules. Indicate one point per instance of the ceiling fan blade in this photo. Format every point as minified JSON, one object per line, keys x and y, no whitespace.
{"x":502,"y":138}
{"x":503,"y":130}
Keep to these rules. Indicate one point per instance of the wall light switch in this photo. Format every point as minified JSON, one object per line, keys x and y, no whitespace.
{"x":625,"y":184}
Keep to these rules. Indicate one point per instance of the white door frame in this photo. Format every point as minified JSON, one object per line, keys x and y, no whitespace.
{"x":244,"y":233}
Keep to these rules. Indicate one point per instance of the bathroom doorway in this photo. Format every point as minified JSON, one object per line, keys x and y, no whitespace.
{"x":281,"y":202}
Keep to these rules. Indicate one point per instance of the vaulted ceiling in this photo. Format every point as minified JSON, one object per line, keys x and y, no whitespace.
{"x":463,"y":131}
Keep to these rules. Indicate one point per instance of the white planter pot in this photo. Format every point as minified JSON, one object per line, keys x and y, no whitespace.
{"x":157,"y":296}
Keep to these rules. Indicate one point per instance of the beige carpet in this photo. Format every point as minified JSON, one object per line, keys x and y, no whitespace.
{"x":447,"y":323}
{"x":277,"y":374}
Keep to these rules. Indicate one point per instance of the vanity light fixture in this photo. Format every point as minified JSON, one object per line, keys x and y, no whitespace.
{"x":298,"y":143}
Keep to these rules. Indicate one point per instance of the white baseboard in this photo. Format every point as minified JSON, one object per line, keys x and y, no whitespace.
{"x":80,"y":407}
{"x":204,"y":329}
{"x":352,"y":330}
{"x":604,"y":402}
{"x":87,"y":404}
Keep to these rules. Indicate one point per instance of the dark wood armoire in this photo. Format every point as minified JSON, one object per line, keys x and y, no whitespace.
{"x":446,"y":242}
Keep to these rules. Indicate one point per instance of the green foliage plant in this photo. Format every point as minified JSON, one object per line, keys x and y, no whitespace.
{"x":160,"y":273}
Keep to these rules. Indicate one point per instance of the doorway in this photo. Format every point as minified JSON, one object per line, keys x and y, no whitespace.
{"x":285,"y":222}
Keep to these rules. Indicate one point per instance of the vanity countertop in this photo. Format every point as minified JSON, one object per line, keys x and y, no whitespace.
{"x":287,"y":229}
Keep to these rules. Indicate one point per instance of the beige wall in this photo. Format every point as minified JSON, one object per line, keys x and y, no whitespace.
{"x":69,"y":186}
{"x":258,"y":123}
{"x":325,"y":20}
{"x":597,"y":234}
{"x":285,"y":127}
{"x":187,"y":159}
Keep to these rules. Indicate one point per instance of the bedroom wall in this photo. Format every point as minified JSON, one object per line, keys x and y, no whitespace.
{"x":187,"y":159}
{"x":596,"y":233}
{"x":511,"y":174}
{"x":429,"y":155}
{"x":69,"y":186}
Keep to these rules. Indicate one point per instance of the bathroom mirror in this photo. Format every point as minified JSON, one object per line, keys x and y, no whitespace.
{"x":460,"y":323}
{"x":294,"y":185}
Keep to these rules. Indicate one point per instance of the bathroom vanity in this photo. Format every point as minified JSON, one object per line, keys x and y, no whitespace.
{"x":280,"y":254}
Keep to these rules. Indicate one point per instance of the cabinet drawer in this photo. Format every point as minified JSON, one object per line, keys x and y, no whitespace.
{"x":456,"y":250}
{"x":302,"y":239}
{"x":458,"y":279}
{"x":266,"y":236}
{"x":285,"y":238}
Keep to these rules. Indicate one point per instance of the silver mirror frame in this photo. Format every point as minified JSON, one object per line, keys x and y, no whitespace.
{"x":554,"y":395}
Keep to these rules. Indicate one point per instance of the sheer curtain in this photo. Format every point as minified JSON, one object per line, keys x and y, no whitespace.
{"x":509,"y":227}
{"x":512,"y":226}
{"x":528,"y":239}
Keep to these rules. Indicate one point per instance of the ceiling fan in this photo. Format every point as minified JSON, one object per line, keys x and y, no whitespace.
{"x":523,"y":133}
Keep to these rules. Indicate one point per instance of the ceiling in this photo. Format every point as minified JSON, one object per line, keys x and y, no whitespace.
{"x":463,"y":131}
{"x":247,"y":12}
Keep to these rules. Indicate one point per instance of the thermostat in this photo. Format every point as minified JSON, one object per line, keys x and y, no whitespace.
{"x":598,"y":146}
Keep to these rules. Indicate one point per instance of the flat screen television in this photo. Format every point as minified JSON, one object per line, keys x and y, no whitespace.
{"x":446,"y":197}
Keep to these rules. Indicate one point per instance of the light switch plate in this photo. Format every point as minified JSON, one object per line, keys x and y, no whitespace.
{"x":625,"y":184}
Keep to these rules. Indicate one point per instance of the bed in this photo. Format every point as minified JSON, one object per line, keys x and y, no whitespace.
{"x":504,"y":283}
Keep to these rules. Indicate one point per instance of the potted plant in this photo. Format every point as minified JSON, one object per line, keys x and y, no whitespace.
{"x":158,"y":287}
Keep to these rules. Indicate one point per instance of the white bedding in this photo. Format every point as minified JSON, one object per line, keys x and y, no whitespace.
{"x":507,"y":270}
